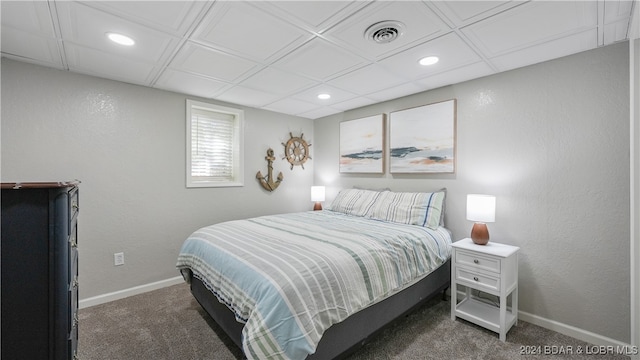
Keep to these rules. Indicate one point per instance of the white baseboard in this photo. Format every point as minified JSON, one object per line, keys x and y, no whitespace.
{"x":574,"y":332}
{"x":121,"y":294}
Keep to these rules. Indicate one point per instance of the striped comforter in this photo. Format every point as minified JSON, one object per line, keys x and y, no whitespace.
{"x":290,"y":277}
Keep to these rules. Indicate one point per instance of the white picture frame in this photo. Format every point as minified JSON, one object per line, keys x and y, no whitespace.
{"x":423,"y":139}
{"x":362,"y":145}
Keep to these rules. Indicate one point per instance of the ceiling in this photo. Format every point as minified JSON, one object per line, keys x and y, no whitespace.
{"x":279,"y":55}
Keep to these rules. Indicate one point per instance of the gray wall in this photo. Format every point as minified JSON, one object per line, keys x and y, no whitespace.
{"x":126,"y":144}
{"x":551,"y":141}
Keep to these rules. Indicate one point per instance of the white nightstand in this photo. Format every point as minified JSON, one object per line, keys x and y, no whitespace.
{"x":492,"y":269}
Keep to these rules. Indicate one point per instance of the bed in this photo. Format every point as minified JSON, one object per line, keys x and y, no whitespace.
{"x":317,"y":284}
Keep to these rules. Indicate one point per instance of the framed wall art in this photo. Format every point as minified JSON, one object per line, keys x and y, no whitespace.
{"x":362,"y":145}
{"x":423,"y":139}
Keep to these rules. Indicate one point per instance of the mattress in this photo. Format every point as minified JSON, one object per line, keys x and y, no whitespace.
{"x":289,"y":277}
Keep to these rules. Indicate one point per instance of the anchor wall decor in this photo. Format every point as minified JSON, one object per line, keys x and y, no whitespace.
{"x":267,"y":181}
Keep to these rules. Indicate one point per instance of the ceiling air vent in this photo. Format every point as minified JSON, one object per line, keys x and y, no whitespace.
{"x":384,"y":31}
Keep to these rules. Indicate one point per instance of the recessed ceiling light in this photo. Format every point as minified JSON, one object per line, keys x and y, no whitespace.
{"x":324,"y":96}
{"x":429,"y":60}
{"x":120,"y":39}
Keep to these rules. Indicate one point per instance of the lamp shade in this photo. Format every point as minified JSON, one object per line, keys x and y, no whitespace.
{"x":481,"y":208}
{"x":317,"y":193}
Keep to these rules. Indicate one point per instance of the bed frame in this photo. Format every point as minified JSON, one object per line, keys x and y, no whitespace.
{"x":347,"y":336}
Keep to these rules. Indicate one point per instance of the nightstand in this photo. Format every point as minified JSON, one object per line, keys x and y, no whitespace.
{"x":492,"y":269}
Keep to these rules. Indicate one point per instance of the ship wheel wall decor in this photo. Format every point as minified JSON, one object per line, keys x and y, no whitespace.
{"x":296,"y":150}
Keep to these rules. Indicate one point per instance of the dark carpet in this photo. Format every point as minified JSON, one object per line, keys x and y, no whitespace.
{"x":170,"y":324}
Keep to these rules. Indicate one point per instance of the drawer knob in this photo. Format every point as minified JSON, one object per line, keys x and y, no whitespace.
{"x":75,"y":206}
{"x":475,"y":261}
{"x":475,"y":278}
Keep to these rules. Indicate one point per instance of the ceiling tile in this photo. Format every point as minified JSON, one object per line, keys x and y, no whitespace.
{"x":615,"y":31}
{"x":189,"y":84}
{"x":174,"y":17}
{"x":311,"y":95}
{"x":29,"y":16}
{"x":395,"y":92}
{"x":615,"y":10}
{"x":86,"y":26}
{"x":29,"y":47}
{"x":102,"y":64}
{"x":209,"y":62}
{"x":315,"y":16}
{"x":239,"y":28}
{"x":247,"y":96}
{"x":291,"y":106}
{"x":613,"y":24}
{"x":318,"y":113}
{"x":353,"y":103}
{"x":531,"y":24}
{"x":455,"y":76}
{"x":319,"y":59}
{"x":366,"y":80}
{"x":547,"y":51}
{"x":450,"y":49}
{"x":277,"y":81}
{"x":465,"y":12}
{"x":420,"y":23}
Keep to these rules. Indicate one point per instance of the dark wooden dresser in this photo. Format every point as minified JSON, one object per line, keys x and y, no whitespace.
{"x":39,"y":270}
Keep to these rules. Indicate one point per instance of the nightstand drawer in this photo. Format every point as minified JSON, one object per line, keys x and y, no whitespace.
{"x":476,"y":261}
{"x":485,"y":281}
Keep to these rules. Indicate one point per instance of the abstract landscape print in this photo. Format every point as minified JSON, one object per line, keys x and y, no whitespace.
{"x":423,"y":139}
{"x":362,"y":145}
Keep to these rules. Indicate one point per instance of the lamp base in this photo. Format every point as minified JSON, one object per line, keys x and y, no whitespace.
{"x":317,"y":206}
{"x":480,"y":234}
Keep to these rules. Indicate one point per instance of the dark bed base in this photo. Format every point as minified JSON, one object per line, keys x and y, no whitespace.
{"x":347,"y":336}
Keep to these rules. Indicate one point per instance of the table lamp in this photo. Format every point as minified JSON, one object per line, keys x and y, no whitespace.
{"x":481,"y":209}
{"x":317,"y":195}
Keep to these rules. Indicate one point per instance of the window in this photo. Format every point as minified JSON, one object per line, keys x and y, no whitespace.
{"x":214,"y":145}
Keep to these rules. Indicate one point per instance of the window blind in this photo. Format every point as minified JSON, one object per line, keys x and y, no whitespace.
{"x":212,"y":145}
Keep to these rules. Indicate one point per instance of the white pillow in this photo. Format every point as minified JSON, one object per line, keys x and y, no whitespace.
{"x":414,"y":208}
{"x":354,"y":201}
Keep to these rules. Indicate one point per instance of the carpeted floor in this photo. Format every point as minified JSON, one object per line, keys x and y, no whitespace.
{"x":170,"y":324}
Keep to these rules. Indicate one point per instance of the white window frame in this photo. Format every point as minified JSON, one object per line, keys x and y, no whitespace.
{"x":237,"y":178}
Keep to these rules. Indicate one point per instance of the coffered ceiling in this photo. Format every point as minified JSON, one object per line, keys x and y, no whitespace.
{"x":279,"y":55}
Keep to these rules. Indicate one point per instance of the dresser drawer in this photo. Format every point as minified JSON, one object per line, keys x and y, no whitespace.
{"x":72,"y":249}
{"x":72,"y":344}
{"x":74,"y":206}
{"x":479,"y":280}
{"x":475,"y":261}
{"x":73,"y":235}
{"x":72,"y":296}
{"x":73,"y":309}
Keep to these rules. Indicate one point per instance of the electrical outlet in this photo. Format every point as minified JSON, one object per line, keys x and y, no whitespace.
{"x":118,"y":259}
